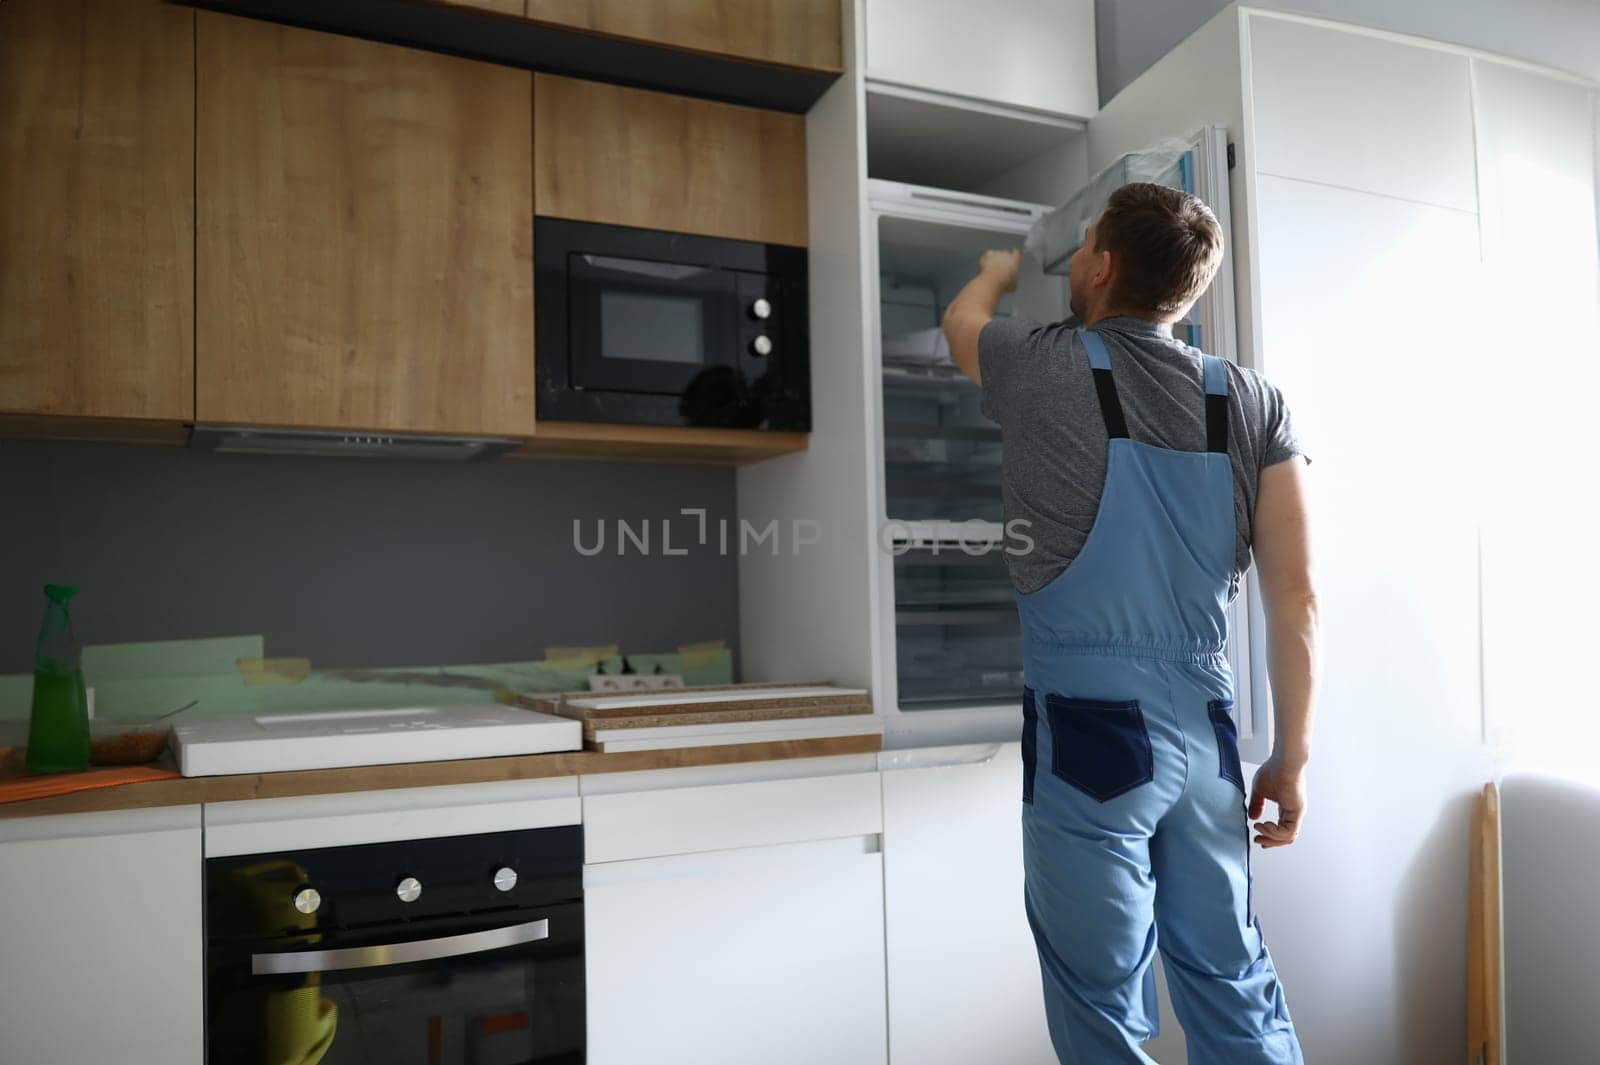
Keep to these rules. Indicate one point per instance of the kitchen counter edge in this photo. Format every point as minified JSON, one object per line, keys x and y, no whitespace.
{"x":184,"y":791}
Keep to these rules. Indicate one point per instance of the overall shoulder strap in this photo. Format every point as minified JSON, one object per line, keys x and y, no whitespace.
{"x":1104,"y":387}
{"x":1216,"y":404}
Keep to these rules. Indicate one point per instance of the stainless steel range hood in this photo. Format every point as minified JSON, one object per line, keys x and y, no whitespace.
{"x":336,"y":443}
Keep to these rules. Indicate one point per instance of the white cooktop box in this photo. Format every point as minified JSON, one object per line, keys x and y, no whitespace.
{"x":336,"y":739}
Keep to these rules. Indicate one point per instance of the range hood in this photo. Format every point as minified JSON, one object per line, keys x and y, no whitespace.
{"x":337,"y":443}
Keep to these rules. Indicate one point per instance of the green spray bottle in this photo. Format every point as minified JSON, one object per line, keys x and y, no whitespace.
{"x":58,"y":730}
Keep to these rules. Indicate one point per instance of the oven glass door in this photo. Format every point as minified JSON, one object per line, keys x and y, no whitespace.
{"x":492,"y":989}
{"x":642,"y":326}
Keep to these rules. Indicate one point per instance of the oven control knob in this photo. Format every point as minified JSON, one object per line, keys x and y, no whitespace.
{"x":408,"y":890}
{"x":761,"y":309}
{"x":505,"y":878}
{"x":307,"y":899}
{"x":761,"y":345}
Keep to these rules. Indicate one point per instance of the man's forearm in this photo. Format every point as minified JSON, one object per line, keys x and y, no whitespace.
{"x":968,"y":313}
{"x":1294,"y":651}
{"x":981,"y":295}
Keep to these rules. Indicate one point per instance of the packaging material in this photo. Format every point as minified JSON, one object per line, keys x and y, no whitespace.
{"x":1054,"y":238}
{"x":714,"y":715}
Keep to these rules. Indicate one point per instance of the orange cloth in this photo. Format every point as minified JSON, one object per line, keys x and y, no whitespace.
{"x":17,"y":785}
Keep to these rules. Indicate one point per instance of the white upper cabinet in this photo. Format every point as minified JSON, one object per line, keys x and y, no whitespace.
{"x":1035,"y":54}
{"x":1536,"y":174}
{"x":1361,"y":112}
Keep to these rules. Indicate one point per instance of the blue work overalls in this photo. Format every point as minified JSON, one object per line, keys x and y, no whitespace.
{"x":1135,"y":833}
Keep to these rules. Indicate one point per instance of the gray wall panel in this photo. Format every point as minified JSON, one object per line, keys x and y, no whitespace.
{"x":354,"y":562}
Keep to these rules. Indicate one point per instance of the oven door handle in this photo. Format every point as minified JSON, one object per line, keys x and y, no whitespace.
{"x":316,"y":961}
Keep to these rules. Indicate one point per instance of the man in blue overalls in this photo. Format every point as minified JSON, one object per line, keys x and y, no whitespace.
{"x":1148,"y":473}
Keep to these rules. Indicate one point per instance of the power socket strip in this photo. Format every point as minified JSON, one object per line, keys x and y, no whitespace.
{"x":633,"y":682}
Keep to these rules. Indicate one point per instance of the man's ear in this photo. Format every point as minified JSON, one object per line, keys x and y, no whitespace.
{"x":1104,"y":267}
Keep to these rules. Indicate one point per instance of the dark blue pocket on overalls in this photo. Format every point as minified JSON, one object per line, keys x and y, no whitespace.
{"x":1228,"y":768}
{"x":1101,"y":748}
{"x":1030,"y":743}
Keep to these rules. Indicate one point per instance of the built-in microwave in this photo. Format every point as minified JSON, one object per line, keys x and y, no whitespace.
{"x":648,"y":327}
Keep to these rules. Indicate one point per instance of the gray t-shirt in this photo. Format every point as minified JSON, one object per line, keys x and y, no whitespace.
{"x":1038,"y":385}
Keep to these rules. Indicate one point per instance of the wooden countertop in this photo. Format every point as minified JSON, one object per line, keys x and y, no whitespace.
{"x":187,"y":790}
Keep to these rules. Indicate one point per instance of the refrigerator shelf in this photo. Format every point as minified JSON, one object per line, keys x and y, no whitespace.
{"x":991,"y":615}
{"x":922,"y":430}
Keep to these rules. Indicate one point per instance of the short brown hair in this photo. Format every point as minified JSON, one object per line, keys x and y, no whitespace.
{"x":1166,"y":244}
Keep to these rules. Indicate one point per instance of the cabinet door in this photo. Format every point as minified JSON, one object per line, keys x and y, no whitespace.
{"x":1032,"y":54}
{"x":102,"y":938}
{"x":365,"y":241}
{"x":800,"y":33}
{"x":630,"y":157}
{"x":499,"y":7}
{"x":963,"y":974}
{"x":762,"y":954}
{"x":1362,"y":112}
{"x":97,"y":208}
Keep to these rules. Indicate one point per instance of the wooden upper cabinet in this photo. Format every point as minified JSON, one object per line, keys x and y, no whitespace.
{"x":499,"y":7}
{"x":638,"y":158}
{"x":365,"y":235}
{"x":97,"y":208}
{"x":797,"y":33}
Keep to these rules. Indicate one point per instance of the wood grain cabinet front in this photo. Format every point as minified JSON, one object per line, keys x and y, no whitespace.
{"x":97,"y":209}
{"x":365,"y":235}
{"x":498,"y":7}
{"x":632,"y":157}
{"x":798,"y":33}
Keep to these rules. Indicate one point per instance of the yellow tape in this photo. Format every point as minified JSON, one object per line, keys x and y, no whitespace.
{"x":702,"y":654}
{"x":274,"y":670}
{"x":578,"y":657}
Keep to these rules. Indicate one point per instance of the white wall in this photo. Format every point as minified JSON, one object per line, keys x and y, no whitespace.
{"x":1552,"y":922}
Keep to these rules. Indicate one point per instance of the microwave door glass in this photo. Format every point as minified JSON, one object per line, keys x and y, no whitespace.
{"x":640,"y":326}
{"x":645,"y":327}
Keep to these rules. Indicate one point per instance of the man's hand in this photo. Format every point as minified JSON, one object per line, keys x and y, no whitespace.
{"x":1002,"y":266}
{"x":1285,"y":787}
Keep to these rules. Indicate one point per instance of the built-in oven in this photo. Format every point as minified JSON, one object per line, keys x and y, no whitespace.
{"x":649,"y":327}
{"x":455,"y":951}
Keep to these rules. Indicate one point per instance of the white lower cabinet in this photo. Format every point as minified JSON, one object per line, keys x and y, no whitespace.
{"x":963,"y":977}
{"x":101,"y":953}
{"x":754,"y":944}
